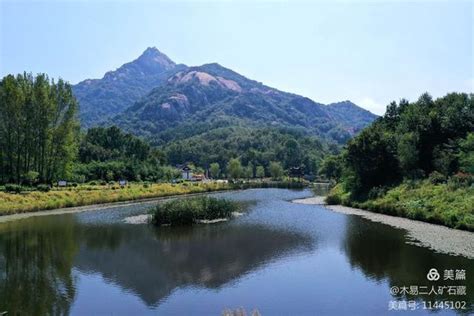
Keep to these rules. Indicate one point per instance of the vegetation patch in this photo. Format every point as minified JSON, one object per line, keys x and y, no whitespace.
{"x":192,"y":210}
{"x":442,"y":203}
{"x":416,"y":161}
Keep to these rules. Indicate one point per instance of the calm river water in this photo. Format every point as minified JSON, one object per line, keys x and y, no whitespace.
{"x":280,"y":258}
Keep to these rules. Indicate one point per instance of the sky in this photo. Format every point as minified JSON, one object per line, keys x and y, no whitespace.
{"x":369,"y":52}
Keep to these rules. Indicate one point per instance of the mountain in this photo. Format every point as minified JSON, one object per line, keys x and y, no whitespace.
{"x":101,"y":99}
{"x":154,"y":97}
{"x":350,"y":115}
{"x":211,"y":96}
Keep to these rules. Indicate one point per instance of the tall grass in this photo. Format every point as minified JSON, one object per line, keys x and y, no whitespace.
{"x":95,"y":194}
{"x":92,"y":193}
{"x":188,"y":211}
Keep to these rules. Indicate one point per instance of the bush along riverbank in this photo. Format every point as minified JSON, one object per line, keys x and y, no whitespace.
{"x":25,"y":199}
{"x":449,"y":204}
{"x":188,"y":211}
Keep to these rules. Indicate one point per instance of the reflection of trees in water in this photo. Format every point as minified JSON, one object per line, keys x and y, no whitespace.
{"x":36,"y":257}
{"x":153,"y":262}
{"x":381,"y":252}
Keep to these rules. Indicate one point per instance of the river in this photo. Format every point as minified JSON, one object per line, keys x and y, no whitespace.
{"x":280,"y":258}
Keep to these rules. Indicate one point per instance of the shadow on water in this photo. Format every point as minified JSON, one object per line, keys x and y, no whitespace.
{"x":170,"y":258}
{"x":39,"y":254}
{"x":381,"y":253}
{"x":36,"y":257}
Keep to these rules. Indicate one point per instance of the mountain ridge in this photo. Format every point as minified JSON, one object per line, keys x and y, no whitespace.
{"x":118,"y":89}
{"x":152,"y":94}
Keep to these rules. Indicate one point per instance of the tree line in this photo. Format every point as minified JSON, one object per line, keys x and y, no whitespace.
{"x":41,"y":142}
{"x":426,"y":138}
{"x":38,"y":129}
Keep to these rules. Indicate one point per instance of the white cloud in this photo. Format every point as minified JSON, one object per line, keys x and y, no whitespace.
{"x":372,"y":105}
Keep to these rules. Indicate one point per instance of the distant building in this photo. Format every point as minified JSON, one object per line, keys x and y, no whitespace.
{"x":186,"y":173}
{"x":296,"y":172}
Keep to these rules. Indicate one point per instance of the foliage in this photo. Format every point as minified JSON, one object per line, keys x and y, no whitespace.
{"x":234,"y":168}
{"x":254,"y":146}
{"x":331,"y":167}
{"x":411,"y":141}
{"x":466,"y":154}
{"x":13,"y":188}
{"x":43,"y":187}
{"x":31,"y":177}
{"x":435,"y":203}
{"x":437,"y":177}
{"x":92,"y":194}
{"x":105,"y":144}
{"x":188,"y":211}
{"x":110,"y":154}
{"x":215,"y":170}
{"x":37,"y":129}
{"x":384,"y":167}
{"x":260,"y":172}
{"x":276,"y":170}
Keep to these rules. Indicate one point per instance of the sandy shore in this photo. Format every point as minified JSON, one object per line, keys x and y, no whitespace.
{"x":439,"y":238}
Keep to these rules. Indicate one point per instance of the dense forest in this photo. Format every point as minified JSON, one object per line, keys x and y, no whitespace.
{"x":426,"y":145}
{"x":254,"y":146}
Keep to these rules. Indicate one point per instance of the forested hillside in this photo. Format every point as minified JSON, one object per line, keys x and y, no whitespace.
{"x":152,"y":95}
{"x":254,"y":146}
{"x":212,"y":95}
{"x":426,"y":148}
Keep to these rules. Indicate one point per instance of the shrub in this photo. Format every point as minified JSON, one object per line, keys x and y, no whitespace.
{"x":377,"y":192}
{"x":13,"y":188}
{"x":437,"y":177}
{"x":43,"y":187}
{"x":462,"y":179}
{"x":188,"y":211}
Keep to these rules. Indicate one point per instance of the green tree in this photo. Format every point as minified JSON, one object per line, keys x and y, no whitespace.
{"x":215,"y":170}
{"x":276,"y":170}
{"x":466,"y":155}
{"x":331,"y":167}
{"x":38,"y":128}
{"x":248,"y":171}
{"x":234,"y":168}
{"x":260,"y":172}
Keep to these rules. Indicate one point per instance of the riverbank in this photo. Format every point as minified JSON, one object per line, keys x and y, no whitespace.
{"x":95,"y":195}
{"x":439,"y":238}
{"x":447,"y":204}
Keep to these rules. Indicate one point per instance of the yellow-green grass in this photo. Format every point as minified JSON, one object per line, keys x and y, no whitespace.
{"x":444,"y":204}
{"x":88,"y":195}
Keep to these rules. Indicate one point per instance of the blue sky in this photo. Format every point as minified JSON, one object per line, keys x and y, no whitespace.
{"x":368,"y":52}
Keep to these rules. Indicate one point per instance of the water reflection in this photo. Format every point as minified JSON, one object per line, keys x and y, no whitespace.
{"x":169,"y":258}
{"x":381,"y":252}
{"x":47,"y":263}
{"x":36,"y":258}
